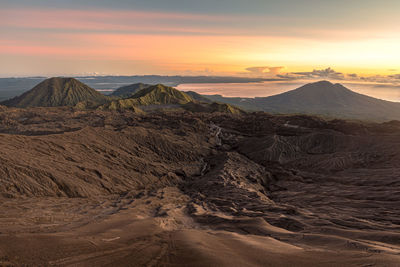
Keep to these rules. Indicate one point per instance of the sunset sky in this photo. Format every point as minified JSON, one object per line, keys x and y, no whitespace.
{"x":286,"y":39}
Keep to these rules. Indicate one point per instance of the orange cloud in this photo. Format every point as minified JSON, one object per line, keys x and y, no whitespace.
{"x":265,"y":70}
{"x":180,"y":42}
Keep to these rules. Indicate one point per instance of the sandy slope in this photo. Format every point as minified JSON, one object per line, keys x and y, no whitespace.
{"x":105,"y":188}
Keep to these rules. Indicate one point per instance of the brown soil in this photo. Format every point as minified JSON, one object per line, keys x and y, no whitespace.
{"x":100,"y":188}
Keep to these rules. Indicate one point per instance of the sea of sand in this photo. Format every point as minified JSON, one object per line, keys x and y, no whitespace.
{"x":100,"y":188}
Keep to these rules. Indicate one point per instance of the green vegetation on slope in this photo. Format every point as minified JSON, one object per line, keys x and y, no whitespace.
{"x":121,"y":105}
{"x":198,"y":97}
{"x":153,"y":95}
{"x":160,"y":94}
{"x":225,"y":108}
{"x":129,"y":90}
{"x":57,"y":92}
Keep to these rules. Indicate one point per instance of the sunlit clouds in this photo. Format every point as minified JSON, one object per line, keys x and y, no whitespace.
{"x":266,"y":40}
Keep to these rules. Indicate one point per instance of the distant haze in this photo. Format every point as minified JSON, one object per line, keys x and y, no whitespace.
{"x":382,"y":91}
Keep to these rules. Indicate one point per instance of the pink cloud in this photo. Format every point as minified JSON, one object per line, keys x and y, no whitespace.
{"x":108,"y":14}
{"x":173,"y":23}
{"x":101,"y":20}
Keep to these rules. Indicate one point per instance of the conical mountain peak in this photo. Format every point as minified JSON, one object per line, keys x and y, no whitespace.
{"x":57,"y":91}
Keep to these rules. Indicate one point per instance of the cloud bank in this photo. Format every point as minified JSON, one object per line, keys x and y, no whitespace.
{"x":331,"y":74}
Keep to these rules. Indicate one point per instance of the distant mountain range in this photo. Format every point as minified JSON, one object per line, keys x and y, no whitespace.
{"x":11,"y":87}
{"x":320,"y":98}
{"x":55,"y":92}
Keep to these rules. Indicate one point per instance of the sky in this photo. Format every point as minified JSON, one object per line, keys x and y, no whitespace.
{"x":354,"y":40}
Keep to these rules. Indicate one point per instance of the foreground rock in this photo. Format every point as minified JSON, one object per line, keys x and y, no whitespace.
{"x":121,"y":188}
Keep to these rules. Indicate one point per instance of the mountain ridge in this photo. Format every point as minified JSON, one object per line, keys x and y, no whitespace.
{"x":164,"y":97}
{"x":129,"y":90}
{"x":320,"y":98}
{"x":154,"y":95}
{"x":56,"y":91}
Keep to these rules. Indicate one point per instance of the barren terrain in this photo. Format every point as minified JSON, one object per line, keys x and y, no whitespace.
{"x":106,"y":188}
